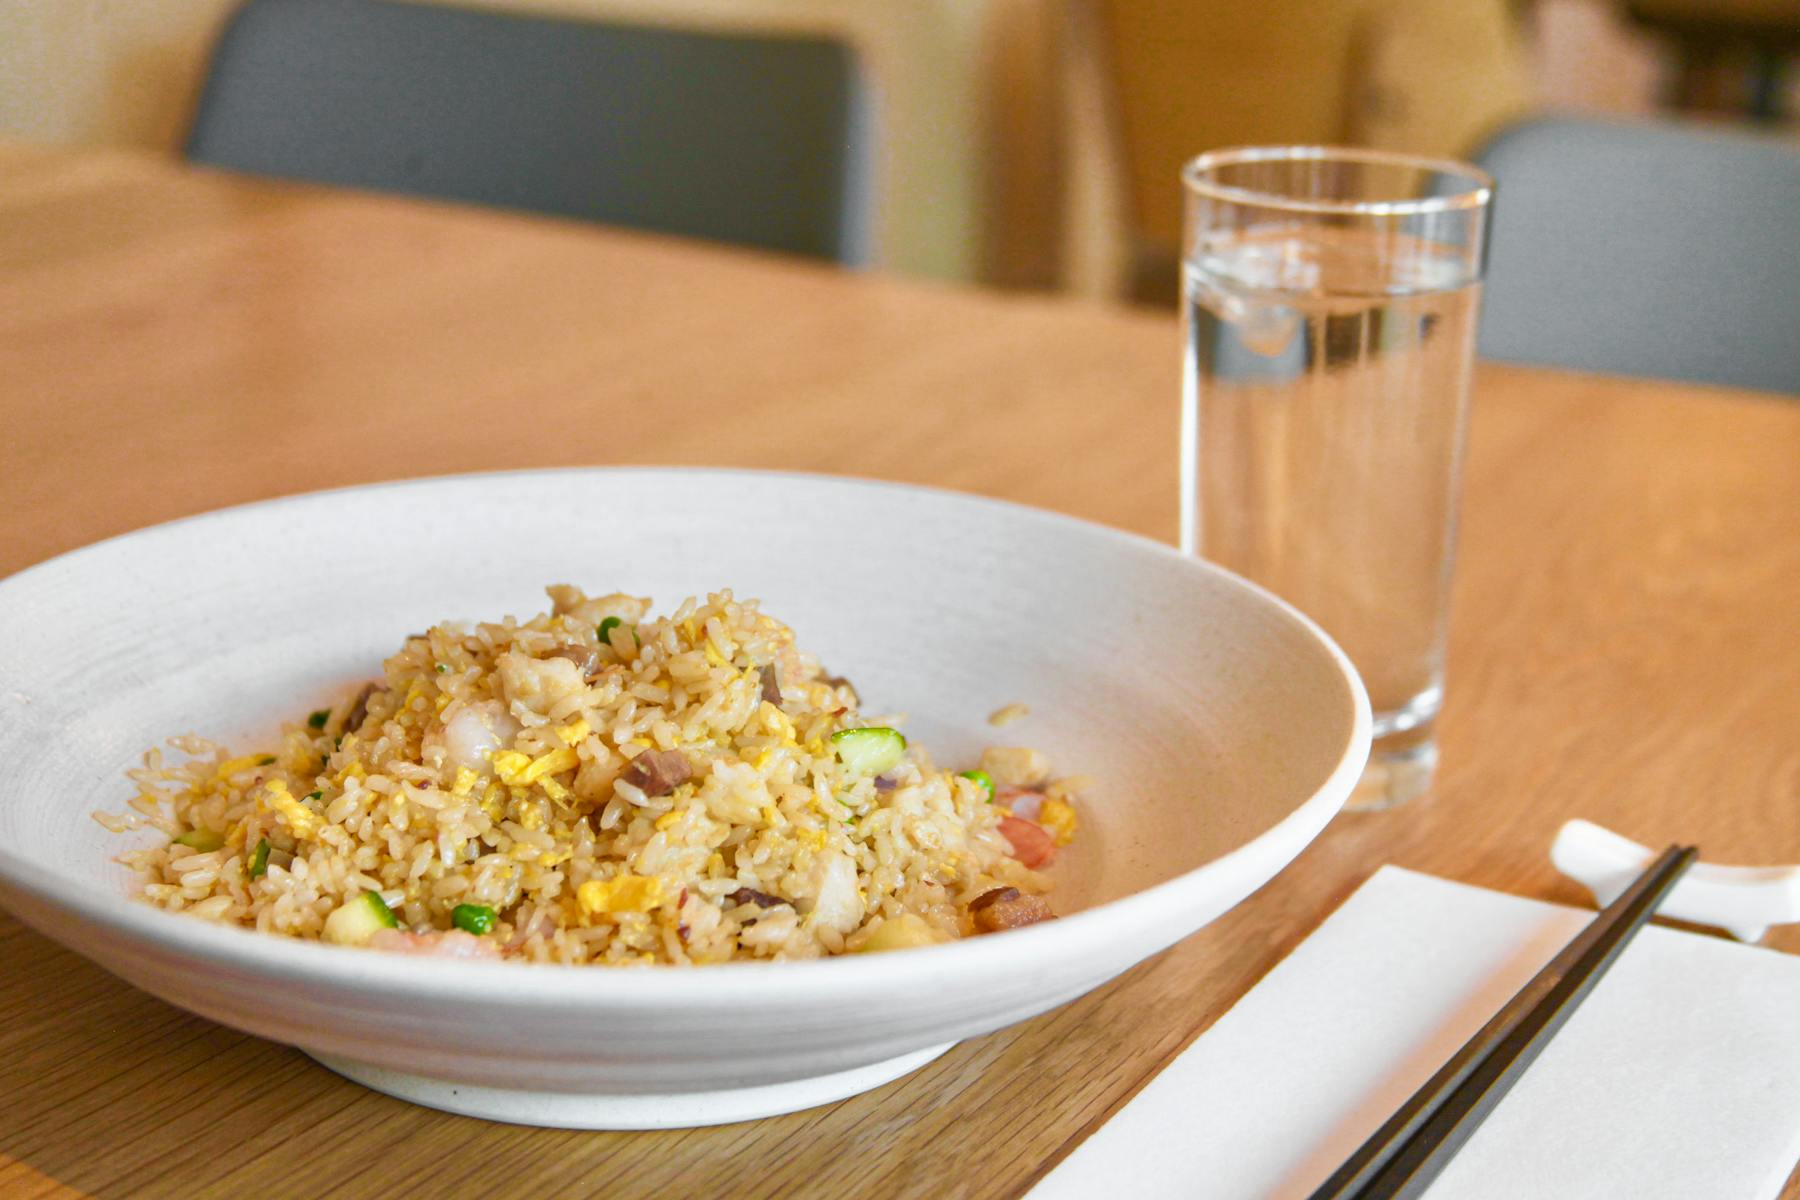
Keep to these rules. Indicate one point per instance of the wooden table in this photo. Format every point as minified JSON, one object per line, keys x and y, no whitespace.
{"x":1626,"y":640}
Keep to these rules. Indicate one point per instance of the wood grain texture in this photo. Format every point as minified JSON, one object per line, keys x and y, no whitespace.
{"x":1625,"y":644}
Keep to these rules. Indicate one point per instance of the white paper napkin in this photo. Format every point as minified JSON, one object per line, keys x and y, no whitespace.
{"x":1678,"y":1078}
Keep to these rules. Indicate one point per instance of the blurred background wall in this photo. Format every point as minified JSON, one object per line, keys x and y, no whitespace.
{"x":1035,"y":143}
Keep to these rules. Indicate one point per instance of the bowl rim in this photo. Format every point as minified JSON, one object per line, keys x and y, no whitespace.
{"x":511,"y":984}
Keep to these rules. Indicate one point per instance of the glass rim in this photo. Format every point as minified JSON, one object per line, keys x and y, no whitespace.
{"x":1479,"y":193}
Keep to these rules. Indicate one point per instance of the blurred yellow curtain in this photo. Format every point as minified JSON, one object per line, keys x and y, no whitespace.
{"x":1428,"y":76}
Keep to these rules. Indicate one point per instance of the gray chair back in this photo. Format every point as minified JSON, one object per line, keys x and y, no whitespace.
{"x":742,"y":138}
{"x":1645,"y":249}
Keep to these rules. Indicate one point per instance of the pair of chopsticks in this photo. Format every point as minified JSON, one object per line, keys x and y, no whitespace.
{"x":1402,"y":1157}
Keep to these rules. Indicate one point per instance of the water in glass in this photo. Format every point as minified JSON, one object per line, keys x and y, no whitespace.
{"x":1324,"y":406}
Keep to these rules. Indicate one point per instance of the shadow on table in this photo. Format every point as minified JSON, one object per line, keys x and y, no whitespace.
{"x":112,"y":1093}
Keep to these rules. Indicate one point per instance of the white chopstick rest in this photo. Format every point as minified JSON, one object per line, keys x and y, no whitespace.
{"x":1743,"y":901}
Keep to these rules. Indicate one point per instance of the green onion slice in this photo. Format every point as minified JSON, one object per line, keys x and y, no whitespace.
{"x":477,"y":919}
{"x":203,"y":840}
{"x":983,"y":778}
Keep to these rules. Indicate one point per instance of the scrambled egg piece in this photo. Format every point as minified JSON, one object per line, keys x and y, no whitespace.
{"x":627,"y":893}
{"x":1058,"y":816}
{"x":232,"y":766}
{"x":509,"y":765}
{"x":521,"y":770}
{"x":777,"y":722}
{"x":301,"y":819}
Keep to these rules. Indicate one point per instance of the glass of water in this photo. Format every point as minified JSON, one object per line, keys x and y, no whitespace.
{"x":1329,"y":299}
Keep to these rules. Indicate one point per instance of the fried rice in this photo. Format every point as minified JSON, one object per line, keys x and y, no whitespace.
{"x":595,"y":785}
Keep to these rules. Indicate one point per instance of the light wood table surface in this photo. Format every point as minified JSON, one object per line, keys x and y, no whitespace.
{"x":1625,"y":646}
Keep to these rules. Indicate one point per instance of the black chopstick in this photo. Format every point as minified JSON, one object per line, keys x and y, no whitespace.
{"x":1400,"y":1159}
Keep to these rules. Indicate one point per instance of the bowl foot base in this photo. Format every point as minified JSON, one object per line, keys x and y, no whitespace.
{"x":587,"y":1110}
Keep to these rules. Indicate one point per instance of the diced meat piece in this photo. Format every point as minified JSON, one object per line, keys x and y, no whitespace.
{"x":746,"y":895}
{"x":450,"y":943}
{"x":658,"y":772}
{"x":359,"y":707}
{"x":1032,"y":844}
{"x":886,"y":783}
{"x":1007,"y":908}
{"x":993,"y":896}
{"x":1015,"y":766}
{"x":585,"y":658}
{"x":771,"y":685}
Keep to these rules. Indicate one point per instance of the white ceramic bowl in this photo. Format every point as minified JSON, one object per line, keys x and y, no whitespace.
{"x":1223,"y":727}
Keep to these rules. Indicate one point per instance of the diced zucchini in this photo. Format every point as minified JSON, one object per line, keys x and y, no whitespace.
{"x":477,"y":919}
{"x":983,"y":778}
{"x":605,"y":628}
{"x":202,"y":840}
{"x":355,"y":921}
{"x":869,"y":751}
{"x":259,"y":860}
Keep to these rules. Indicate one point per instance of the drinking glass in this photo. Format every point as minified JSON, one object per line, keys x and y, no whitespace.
{"x":1329,"y":299}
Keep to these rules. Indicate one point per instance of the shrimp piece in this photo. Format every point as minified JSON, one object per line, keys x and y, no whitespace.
{"x":472,"y":735}
{"x":1032,"y":844}
{"x":538,"y":684}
